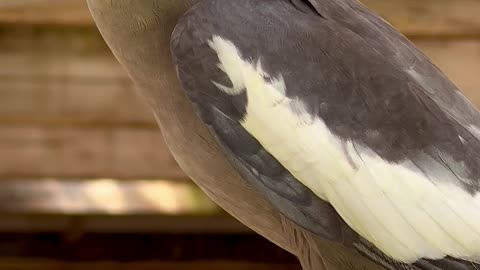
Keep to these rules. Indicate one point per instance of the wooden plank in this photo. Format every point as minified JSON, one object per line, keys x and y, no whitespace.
{"x":460,"y":60}
{"x":82,"y":85}
{"x":85,"y":153}
{"x":74,"y":224}
{"x":413,"y":17}
{"x":56,"y":51}
{"x":104,"y":197}
{"x":65,"y":76}
{"x":110,"y":206}
{"x":143,"y":247}
{"x":72,"y":102}
{"x":39,"y":264}
{"x":430,"y":17}
{"x":72,"y":12}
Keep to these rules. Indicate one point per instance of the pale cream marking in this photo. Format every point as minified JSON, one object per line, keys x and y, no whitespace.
{"x":399,"y":210}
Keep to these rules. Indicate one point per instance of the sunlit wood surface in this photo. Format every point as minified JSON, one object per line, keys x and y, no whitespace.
{"x":107,"y":205}
{"x":104,"y":196}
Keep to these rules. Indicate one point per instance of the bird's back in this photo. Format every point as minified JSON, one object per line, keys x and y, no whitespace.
{"x":341,"y":123}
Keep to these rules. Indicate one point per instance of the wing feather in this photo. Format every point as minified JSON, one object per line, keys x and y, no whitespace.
{"x":320,"y":111}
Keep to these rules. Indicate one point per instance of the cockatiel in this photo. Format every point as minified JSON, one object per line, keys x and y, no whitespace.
{"x":331,"y":115}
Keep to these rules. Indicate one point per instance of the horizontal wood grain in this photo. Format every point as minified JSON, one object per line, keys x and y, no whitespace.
{"x":39,"y":264}
{"x":51,"y":101}
{"x":104,"y":197}
{"x":430,"y":17}
{"x":75,"y":224}
{"x":67,"y":108}
{"x":72,"y":12}
{"x":65,"y":76}
{"x":110,"y":205}
{"x":459,"y":60}
{"x":413,"y":17}
{"x":140,"y":248}
{"x":85,"y":153}
{"x":56,"y":51}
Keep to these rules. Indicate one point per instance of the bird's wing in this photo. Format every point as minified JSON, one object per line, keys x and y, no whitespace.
{"x":330,"y":112}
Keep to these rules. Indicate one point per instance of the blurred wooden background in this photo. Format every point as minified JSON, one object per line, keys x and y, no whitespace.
{"x":68,"y":109}
{"x":75,"y":139}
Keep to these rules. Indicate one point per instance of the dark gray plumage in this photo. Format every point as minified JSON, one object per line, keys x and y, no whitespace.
{"x":365,"y":80}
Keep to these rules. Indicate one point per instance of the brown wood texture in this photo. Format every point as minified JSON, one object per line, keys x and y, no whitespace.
{"x":460,"y":60}
{"x":72,"y":12}
{"x":67,"y":76}
{"x":39,"y":264}
{"x":430,"y":17}
{"x":85,"y":153}
{"x":138,"y":248}
{"x":413,"y":17}
{"x":122,"y":223}
{"x":64,"y":76}
{"x":105,"y":197}
{"x":67,"y":108}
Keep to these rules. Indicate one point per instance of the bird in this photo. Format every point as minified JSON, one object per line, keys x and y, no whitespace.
{"x":313,"y":122}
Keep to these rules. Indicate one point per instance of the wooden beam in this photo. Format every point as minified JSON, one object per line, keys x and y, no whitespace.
{"x":85,"y":153}
{"x":67,"y":108}
{"x":459,"y":60}
{"x":110,"y":206}
{"x":69,"y":101}
{"x":75,"y":224}
{"x":71,"y":12}
{"x":39,"y":264}
{"x":430,"y":17}
{"x":56,"y":51}
{"x":104,"y":197}
{"x":143,"y":247}
{"x":66,"y":76}
{"x":413,"y":17}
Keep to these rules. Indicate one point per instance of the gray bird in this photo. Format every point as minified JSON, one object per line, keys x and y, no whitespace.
{"x":314,"y":122}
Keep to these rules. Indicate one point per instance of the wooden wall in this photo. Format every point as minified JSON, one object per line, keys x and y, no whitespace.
{"x":68,"y":111}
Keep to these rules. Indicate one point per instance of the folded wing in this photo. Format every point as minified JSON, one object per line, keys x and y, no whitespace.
{"x":331,"y":113}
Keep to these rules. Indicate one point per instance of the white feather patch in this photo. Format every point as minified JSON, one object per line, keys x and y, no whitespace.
{"x":395,"y":207}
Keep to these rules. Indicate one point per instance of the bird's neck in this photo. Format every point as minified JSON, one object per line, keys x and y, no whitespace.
{"x":141,"y":43}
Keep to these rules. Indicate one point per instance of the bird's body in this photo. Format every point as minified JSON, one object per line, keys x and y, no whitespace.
{"x":333,"y":120}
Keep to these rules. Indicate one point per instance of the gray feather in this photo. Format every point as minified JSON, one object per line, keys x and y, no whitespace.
{"x":366,"y":81}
